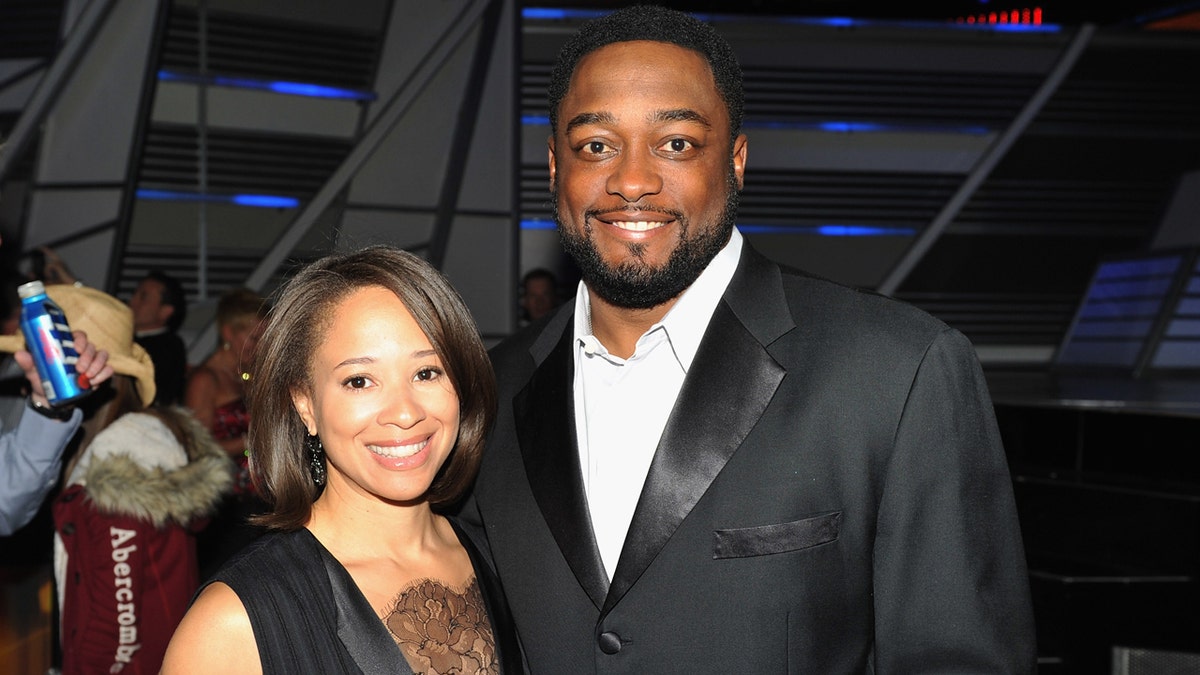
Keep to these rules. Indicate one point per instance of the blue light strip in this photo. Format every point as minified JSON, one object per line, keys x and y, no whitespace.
{"x":819,"y":230}
{"x":255,"y":201}
{"x":832,"y":230}
{"x":555,"y":14}
{"x":278,"y":86}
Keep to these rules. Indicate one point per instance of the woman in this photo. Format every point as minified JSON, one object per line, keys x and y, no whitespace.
{"x":216,"y":389}
{"x":141,"y":483}
{"x":216,"y":394}
{"x":371,"y":398}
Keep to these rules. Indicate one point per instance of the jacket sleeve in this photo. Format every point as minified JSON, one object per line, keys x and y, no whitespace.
{"x":104,"y":605}
{"x":951,"y":585}
{"x":30,"y":460}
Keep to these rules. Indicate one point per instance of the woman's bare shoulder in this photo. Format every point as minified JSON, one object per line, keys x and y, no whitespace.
{"x":214,"y":637}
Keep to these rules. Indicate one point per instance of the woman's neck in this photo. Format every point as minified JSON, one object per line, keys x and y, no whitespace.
{"x":357,"y":527}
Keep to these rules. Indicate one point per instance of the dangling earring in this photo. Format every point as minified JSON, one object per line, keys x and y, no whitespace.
{"x":316,"y":459}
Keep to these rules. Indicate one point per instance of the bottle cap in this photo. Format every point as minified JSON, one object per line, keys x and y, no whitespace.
{"x":31,"y":289}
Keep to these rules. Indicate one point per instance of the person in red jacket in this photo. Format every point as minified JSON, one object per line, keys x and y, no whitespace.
{"x":143,"y":482}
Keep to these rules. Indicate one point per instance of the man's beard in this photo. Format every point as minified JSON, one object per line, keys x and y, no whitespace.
{"x":634,"y":284}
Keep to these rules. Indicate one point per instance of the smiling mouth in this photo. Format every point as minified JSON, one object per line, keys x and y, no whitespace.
{"x":397,"y":451}
{"x":636,"y":226}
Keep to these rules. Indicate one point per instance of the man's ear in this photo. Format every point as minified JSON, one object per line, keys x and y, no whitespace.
{"x":304,"y":407}
{"x":739,"y":158}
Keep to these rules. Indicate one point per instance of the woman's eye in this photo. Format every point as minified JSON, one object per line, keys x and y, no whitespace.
{"x":357,"y":382}
{"x":428,"y":374}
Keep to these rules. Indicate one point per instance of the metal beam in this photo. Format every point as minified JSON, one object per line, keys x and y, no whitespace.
{"x":78,"y":41}
{"x":464,"y":132}
{"x":987,"y":163}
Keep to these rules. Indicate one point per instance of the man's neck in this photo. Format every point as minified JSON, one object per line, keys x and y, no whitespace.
{"x":619,"y":328}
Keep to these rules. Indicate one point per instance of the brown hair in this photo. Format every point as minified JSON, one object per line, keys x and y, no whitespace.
{"x":240,"y":307}
{"x":300,"y":322}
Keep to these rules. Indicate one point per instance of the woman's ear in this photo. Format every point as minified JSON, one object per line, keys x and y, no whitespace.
{"x":304,"y":407}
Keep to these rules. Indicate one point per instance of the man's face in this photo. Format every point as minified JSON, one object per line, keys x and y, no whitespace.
{"x":538,"y":297}
{"x":645,"y":184}
{"x":149,"y":312}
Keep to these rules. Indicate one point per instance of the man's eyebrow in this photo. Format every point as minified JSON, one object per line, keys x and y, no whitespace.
{"x":680,"y":115}
{"x":586,"y":118}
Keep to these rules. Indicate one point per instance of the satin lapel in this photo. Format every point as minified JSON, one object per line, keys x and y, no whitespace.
{"x":545,"y":421}
{"x":365,"y":637}
{"x":730,"y":384}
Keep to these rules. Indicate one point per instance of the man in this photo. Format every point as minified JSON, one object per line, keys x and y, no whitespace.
{"x":31,"y":454}
{"x":709,"y":464}
{"x":159,"y":307}
{"x":539,"y":294}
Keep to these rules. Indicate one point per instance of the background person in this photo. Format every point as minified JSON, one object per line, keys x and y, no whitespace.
{"x":371,"y":399}
{"x":31,"y":453}
{"x":159,"y":309}
{"x":143,"y":479}
{"x":216,"y":394}
{"x":714,"y":464}
{"x":539,"y":294}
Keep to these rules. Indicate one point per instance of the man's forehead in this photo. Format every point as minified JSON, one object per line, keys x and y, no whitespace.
{"x":640,"y":72}
{"x":649,"y":52}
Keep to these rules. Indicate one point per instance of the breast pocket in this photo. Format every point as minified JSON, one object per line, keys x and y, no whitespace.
{"x":743,"y":542}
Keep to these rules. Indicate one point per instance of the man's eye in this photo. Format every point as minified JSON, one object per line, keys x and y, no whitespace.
{"x":596,"y":147}
{"x":678,"y":145}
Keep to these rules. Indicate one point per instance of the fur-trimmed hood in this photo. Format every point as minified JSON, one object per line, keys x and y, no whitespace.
{"x":136,"y":467}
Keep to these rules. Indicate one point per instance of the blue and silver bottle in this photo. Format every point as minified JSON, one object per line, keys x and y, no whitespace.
{"x":49,"y":339}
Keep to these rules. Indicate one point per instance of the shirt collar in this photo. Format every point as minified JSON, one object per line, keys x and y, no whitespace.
{"x":686,"y":322}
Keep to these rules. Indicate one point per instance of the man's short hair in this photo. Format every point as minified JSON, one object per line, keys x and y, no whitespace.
{"x":538,"y":273}
{"x":172,"y":295}
{"x":656,"y":24}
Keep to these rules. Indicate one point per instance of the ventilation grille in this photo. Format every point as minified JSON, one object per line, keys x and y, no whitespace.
{"x":1001,"y":319}
{"x":796,"y":96}
{"x":226,"y":269}
{"x":1117,"y":90}
{"x":253,"y":47}
{"x":240,"y":162}
{"x":1084,"y":208}
{"x":901,"y":98}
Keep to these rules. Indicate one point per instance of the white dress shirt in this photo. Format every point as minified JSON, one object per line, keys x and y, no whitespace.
{"x":622,"y":405}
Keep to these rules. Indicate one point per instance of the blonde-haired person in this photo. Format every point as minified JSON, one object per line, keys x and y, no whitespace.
{"x":141,"y":483}
{"x":216,"y":388}
{"x":371,"y":400}
{"x":216,"y":394}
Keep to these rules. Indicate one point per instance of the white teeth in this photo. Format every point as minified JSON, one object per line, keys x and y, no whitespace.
{"x":639,"y":226}
{"x":398,"y":450}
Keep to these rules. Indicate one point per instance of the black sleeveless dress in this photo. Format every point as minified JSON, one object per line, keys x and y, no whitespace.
{"x":308,"y":615}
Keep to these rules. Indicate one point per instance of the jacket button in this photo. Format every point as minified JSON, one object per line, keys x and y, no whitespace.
{"x":610,"y":643}
{"x":69,"y":528}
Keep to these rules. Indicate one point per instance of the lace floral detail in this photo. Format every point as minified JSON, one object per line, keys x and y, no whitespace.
{"x":442,"y":631}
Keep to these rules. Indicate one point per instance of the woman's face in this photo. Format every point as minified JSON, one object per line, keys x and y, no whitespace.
{"x":381,"y":401}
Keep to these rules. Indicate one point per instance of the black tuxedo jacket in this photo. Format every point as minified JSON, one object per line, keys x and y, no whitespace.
{"x":830,"y":495}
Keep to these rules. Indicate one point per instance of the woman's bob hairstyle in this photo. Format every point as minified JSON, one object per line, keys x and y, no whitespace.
{"x":297,"y":325}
